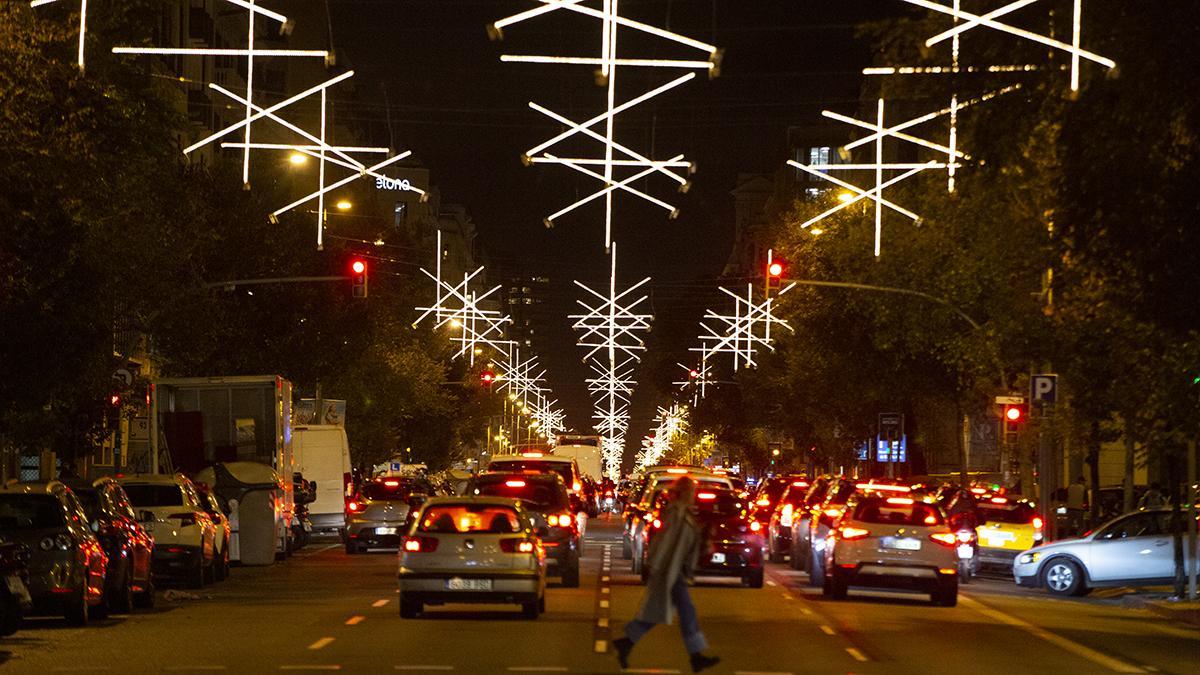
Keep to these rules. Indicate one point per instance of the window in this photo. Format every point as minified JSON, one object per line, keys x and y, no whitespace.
{"x":1137,"y":525}
{"x":466,"y":518}
{"x":891,"y":512}
{"x":394,"y":489}
{"x":1019,"y":513}
{"x":154,"y":495}
{"x":29,"y":512}
{"x":543,"y":495}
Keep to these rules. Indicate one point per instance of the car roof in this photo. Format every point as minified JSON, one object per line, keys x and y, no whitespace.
{"x":451,"y":501}
{"x":151,"y":478}
{"x":538,"y":458}
{"x":33,"y":487}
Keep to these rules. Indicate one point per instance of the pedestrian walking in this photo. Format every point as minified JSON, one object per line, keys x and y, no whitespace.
{"x":674,"y":553}
{"x":1153,"y":499}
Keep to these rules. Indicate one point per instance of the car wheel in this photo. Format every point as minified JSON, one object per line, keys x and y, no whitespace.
{"x":77,"y":613}
{"x":351,"y":548}
{"x":816,"y":571}
{"x":570,"y":577}
{"x":529,"y":610}
{"x":964,"y":571}
{"x":121,"y":602}
{"x":754,"y":579}
{"x":1063,"y":577}
{"x":145,"y":599}
{"x":410,"y":609}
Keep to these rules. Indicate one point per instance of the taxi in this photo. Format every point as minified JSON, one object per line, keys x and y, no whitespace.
{"x":1008,"y":526}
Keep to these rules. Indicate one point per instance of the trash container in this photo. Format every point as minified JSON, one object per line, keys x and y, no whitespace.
{"x":255,"y":497}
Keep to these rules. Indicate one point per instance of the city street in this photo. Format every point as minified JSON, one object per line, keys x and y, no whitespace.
{"x":324,"y":610}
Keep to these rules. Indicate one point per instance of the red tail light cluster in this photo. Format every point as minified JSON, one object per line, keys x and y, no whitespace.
{"x":850,"y":533}
{"x":420,"y":544}
{"x":944,"y":538}
{"x":353,"y":506}
{"x":560,"y":520}
{"x":517,"y":545}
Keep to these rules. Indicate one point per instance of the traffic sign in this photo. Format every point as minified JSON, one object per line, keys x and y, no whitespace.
{"x":1043,"y":388}
{"x":1010,"y":400}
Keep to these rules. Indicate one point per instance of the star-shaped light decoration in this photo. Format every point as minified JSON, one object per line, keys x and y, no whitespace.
{"x":83,"y":6}
{"x":743,"y":331}
{"x":671,"y":423}
{"x":616,"y":157}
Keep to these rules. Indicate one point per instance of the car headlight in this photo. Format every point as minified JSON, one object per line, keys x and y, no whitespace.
{"x":1029,"y":558}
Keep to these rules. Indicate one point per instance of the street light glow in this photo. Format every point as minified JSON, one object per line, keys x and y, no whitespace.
{"x":298,"y":158}
{"x":343,"y":205}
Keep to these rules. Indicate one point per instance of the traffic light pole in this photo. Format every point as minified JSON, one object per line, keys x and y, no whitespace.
{"x":232,"y":284}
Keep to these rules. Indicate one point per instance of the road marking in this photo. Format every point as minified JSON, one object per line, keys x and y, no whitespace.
{"x":319,"y":550}
{"x":602,"y":622}
{"x":321,"y":644}
{"x":762,"y":672}
{"x":604,"y":604}
{"x":652,"y":671}
{"x":605,"y":590}
{"x":355,"y":620}
{"x":827,"y":630}
{"x":1063,"y":643}
{"x":601,"y":646}
{"x":379,"y":603}
{"x":605,"y":578}
{"x":424,"y":667}
{"x":858,"y":656}
{"x":788,"y":596}
{"x":538,"y":669}
{"x":330,"y":667}
{"x":189,"y":668}
{"x":805,"y":610}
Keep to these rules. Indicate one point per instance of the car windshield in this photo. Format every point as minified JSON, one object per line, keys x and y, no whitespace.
{"x":897,"y":511}
{"x":719,"y":504}
{"x":393,"y":489}
{"x":533,"y":464}
{"x":1019,"y":513}
{"x":91,"y":502}
{"x":774,"y":489}
{"x":542,"y":495}
{"x":154,"y":495}
{"x":465,"y":518}
{"x":30,"y":512}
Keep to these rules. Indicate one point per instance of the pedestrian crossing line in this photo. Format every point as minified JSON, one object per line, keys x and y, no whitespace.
{"x":857,"y":655}
{"x":424,"y":668}
{"x":321,"y":644}
{"x":602,"y":622}
{"x":1082,"y":651}
{"x":355,"y":620}
{"x":601,"y":646}
{"x":379,"y":603}
{"x":828,"y":630}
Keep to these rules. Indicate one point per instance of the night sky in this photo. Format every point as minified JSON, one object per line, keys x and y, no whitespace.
{"x":429,"y":65}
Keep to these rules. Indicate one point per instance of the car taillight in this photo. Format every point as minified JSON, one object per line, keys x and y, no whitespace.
{"x":832,"y":513}
{"x":849,"y":533}
{"x":185,"y":519}
{"x":763,"y":502}
{"x":577,"y":486}
{"x":944,"y":538}
{"x":706,"y":496}
{"x":353,"y":506}
{"x":785,"y":515}
{"x":657,"y":524}
{"x":420,"y":544}
{"x":755,"y":526}
{"x":517,"y":545}
{"x":1037,"y":522}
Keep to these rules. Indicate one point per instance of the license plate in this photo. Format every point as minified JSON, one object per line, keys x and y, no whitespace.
{"x":966,"y":551}
{"x":997,"y":537}
{"x":718,"y":558}
{"x":457,"y":584}
{"x":902,"y":544}
{"x":385,"y":530}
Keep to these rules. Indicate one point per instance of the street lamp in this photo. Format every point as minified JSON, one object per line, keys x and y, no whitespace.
{"x":298,"y":159}
{"x":343,"y":205}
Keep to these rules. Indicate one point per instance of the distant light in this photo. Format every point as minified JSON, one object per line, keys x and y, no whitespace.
{"x":358,"y":266}
{"x":298,"y":158}
{"x":776,"y":269}
{"x":344,"y":205}
{"x":845,"y":197}
{"x":816,"y":231}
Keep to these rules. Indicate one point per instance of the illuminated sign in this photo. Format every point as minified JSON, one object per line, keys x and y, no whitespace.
{"x":385,"y":183}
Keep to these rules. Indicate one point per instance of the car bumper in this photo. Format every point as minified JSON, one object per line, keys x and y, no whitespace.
{"x":884,"y":575}
{"x":998,"y":557}
{"x":327,"y":522}
{"x":737,"y":561}
{"x":1030,"y":581}
{"x":507,"y":586}
{"x":176,"y":560}
{"x":367,"y":534}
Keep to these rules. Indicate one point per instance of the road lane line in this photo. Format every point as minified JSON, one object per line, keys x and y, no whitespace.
{"x":605,"y":590}
{"x":769,"y":583}
{"x":329,"y":667}
{"x":652,"y":671}
{"x":355,"y":620}
{"x":538,"y":669}
{"x":763,"y":672}
{"x":858,"y":656}
{"x":1098,"y":658}
{"x":828,"y":630}
{"x":788,"y":596}
{"x":184,"y":669}
{"x":806,"y":611}
{"x":601,"y":646}
{"x":602,"y":622}
{"x":379,"y":603}
{"x":604,"y":604}
{"x":425,"y":668}
{"x":605,"y":578}
{"x":321,"y":644}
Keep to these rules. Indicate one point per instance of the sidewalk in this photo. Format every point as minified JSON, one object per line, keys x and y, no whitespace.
{"x":1181,"y":611}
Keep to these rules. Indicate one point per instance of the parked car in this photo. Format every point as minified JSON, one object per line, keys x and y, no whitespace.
{"x":222,"y":530}
{"x":376,"y":515}
{"x":129,"y":577}
{"x":184,"y":533}
{"x":473,"y":550}
{"x":544,"y":497}
{"x":1135,"y":549}
{"x":731,"y":548}
{"x":67,"y":562}
{"x":15,"y":599}
{"x":887,"y":541}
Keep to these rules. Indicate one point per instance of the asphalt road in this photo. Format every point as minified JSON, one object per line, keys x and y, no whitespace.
{"x":324,"y":610}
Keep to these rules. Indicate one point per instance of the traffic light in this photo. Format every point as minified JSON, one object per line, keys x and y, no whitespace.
{"x":693,"y":374}
{"x":1014,"y":416}
{"x":775,"y":271}
{"x":358,"y":277}
{"x":487,"y":378}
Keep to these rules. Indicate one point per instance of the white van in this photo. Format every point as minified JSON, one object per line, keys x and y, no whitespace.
{"x":322,"y":455}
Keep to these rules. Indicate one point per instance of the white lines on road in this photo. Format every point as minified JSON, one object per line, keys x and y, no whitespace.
{"x":321,"y":644}
{"x":771,"y":583}
{"x":605,"y":590}
{"x":355,"y":620}
{"x":857,"y":655}
{"x":426,"y":668}
{"x":317,"y":550}
{"x":601,"y":646}
{"x":762,"y":672}
{"x":604,"y":604}
{"x":379,"y":603}
{"x":602,"y":622}
{"x":605,"y":578}
{"x":537,"y":669}
{"x":1098,"y":658}
{"x":329,"y":667}
{"x":827,"y":630}
{"x":788,"y":596}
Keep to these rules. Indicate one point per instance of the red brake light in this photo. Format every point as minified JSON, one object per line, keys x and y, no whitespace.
{"x":514,"y":483}
{"x":420,"y":544}
{"x":944,"y":538}
{"x":532,"y":454}
{"x":706,"y":496}
{"x":799,"y":483}
{"x":677,"y":471}
{"x":899,"y":500}
{"x":1038,"y":522}
{"x":832,"y":512}
{"x":999,"y":500}
{"x":353,"y":506}
{"x":849,"y":533}
{"x":882,"y":487}
{"x":657,"y":524}
{"x":391,"y":483}
{"x":560,"y":520}
{"x":517,"y":545}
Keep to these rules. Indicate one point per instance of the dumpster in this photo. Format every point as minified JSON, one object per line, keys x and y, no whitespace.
{"x":256,"y":503}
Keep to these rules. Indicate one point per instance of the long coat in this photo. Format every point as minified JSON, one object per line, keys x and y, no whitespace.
{"x":674,"y":552}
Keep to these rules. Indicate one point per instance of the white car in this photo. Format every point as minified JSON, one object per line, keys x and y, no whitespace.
{"x":1135,"y":549}
{"x":184,"y":533}
{"x":473,"y":550}
{"x":892,"y":542}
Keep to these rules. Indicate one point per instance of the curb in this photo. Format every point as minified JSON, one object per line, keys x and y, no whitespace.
{"x":1167,"y":609}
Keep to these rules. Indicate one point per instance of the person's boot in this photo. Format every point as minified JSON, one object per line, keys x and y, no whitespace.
{"x":623,"y":646}
{"x":700,"y":661}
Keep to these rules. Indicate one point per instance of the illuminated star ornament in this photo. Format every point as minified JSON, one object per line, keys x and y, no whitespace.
{"x":82,"y":24}
{"x":618,"y":168}
{"x":742,"y":332}
{"x":671,"y":423}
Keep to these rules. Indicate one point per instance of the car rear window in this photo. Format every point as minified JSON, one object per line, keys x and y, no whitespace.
{"x":897,"y":511}
{"x":30,"y":512}
{"x":393,"y":489}
{"x":154,"y":495}
{"x":542,"y":494}
{"x":719,"y":504}
{"x":1019,"y":513}
{"x":466,"y":518}
{"x":540,"y":466}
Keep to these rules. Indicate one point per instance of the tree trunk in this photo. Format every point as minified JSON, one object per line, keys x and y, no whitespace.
{"x":963,"y":439}
{"x":1093,"y":459}
{"x":1177,"y":526}
{"x":1130,"y":453}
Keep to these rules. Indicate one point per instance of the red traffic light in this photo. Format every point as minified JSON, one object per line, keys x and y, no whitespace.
{"x":775,"y":269}
{"x":693,"y":373}
{"x":358,"y":266}
{"x":1014,"y":413}
{"x":487,"y":377}
{"x":114,"y":400}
